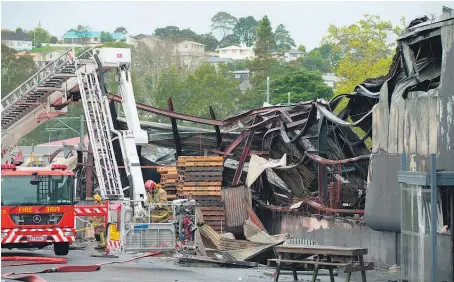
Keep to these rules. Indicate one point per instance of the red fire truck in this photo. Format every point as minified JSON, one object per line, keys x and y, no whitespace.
{"x":37,"y":207}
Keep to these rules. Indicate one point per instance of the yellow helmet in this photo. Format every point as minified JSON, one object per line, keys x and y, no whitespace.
{"x":158,"y":186}
{"x":97,"y":198}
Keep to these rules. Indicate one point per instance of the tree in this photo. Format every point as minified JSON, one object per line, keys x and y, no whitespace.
{"x":83,"y":32}
{"x":223,"y":23}
{"x":303,"y":85}
{"x":39,"y":36}
{"x":282,"y":38}
{"x":203,"y":88}
{"x":365,"y":49}
{"x":229,"y":40}
{"x":106,"y":37}
{"x":19,"y":30}
{"x":210,"y":42}
{"x":370,"y":36}
{"x":53,"y":39}
{"x":14,"y":70}
{"x":265,"y":37}
{"x":245,"y":29}
{"x":324,"y":58}
{"x":302,"y":48}
{"x":121,"y":30}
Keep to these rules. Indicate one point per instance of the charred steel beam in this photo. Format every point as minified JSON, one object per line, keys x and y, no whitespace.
{"x":176,"y":137}
{"x":59,"y":150}
{"x":243,"y":157}
{"x":165,"y":113}
{"x":216,"y":128}
{"x":319,"y":159}
{"x":234,"y":144}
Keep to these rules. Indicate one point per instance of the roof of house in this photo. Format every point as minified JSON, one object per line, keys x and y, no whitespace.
{"x":27,"y":53}
{"x":236,"y":47}
{"x":241,"y":71}
{"x":16,"y":36}
{"x":73,"y":34}
{"x":190,"y":42}
{"x":295,"y":52}
{"x":216,"y":60}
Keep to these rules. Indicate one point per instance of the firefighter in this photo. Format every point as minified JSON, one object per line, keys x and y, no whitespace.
{"x":98,"y":224}
{"x":157,"y":197}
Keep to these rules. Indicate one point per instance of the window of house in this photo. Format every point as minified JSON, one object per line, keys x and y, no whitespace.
{"x":234,"y":51}
{"x":186,"y":46}
{"x":293,"y":55}
{"x":96,"y":39}
{"x":50,"y":56}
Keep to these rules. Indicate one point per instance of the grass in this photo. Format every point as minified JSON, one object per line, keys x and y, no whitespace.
{"x":46,"y":49}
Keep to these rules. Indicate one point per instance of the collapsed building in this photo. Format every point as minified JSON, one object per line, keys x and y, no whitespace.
{"x":305,"y":159}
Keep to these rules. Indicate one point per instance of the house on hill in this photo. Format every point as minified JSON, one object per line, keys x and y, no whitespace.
{"x":190,"y":53}
{"x":17,"y":40}
{"x":90,"y":37}
{"x":236,"y":52}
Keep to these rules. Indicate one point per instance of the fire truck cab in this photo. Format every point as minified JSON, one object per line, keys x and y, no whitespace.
{"x":37,"y":207}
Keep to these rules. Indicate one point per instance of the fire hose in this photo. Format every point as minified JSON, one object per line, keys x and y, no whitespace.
{"x":31,"y":277}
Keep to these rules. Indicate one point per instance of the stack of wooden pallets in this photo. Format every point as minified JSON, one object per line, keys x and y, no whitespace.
{"x":169,"y":180}
{"x":201,"y":177}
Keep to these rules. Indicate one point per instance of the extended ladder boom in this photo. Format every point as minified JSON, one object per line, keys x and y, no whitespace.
{"x":99,"y":134}
{"x":101,"y":127}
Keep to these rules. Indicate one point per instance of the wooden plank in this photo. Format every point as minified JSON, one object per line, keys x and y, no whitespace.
{"x":203,"y":173}
{"x":200,"y":193}
{"x":200,"y":179}
{"x":289,"y":261}
{"x":180,"y":164}
{"x":207,"y":183}
{"x":321,"y":250}
{"x":197,"y":158}
{"x":204,"y":188}
{"x":185,"y":169}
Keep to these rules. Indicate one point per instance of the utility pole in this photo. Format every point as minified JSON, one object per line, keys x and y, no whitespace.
{"x":268,"y":89}
{"x":288,"y":98}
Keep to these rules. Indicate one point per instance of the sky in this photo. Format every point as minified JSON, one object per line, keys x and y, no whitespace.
{"x":307,"y":22}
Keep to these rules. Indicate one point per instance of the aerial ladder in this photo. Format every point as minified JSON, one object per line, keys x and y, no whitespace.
{"x":131,"y":229}
{"x":100,"y":125}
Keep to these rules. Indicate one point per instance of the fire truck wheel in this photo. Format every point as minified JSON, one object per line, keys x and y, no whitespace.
{"x":61,"y":249}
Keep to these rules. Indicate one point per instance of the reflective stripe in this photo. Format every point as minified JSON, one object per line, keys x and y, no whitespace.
{"x":17,"y":238}
{"x":62,"y":236}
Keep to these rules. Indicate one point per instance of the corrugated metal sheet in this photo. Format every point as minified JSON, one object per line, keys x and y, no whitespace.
{"x":236,"y":200}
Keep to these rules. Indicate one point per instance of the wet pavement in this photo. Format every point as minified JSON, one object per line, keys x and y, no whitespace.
{"x":156,"y":269}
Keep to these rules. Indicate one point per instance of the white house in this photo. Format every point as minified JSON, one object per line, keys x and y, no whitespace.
{"x":190,"y":52}
{"x":236,"y":52}
{"x":292,"y":55}
{"x":17,"y":40}
{"x":90,"y":37}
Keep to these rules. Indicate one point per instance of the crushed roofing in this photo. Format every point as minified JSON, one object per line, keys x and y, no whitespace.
{"x":16,"y":36}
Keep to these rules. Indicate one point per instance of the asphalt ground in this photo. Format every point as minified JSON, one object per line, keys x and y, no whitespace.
{"x":160,"y":269}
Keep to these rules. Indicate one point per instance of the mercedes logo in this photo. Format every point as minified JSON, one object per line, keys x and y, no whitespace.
{"x":36,"y":218}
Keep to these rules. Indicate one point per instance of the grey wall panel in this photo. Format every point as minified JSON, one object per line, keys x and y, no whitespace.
{"x":382,"y":211}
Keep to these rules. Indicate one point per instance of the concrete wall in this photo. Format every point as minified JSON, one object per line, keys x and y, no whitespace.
{"x":337,"y":232}
{"x":384,"y":247}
